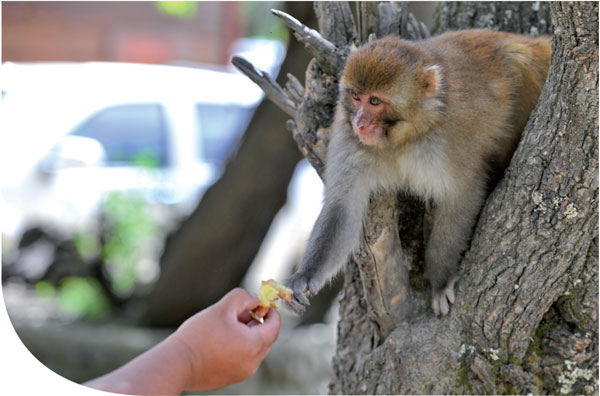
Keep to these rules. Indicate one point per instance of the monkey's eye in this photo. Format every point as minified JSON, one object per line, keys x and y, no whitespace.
{"x":374,"y":101}
{"x":355,"y":96}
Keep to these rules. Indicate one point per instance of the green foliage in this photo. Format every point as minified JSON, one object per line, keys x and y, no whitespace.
{"x":146,"y":158}
{"x":83,"y":297}
{"x":178,"y":9}
{"x":45,"y":289}
{"x":87,"y":245}
{"x":260,"y":22}
{"x":131,"y":225}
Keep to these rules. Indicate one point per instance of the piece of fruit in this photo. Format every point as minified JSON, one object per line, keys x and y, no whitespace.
{"x":268,"y":294}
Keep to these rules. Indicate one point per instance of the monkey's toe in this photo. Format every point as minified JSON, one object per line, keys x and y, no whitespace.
{"x":439,"y":304}
{"x":299,"y":285}
{"x":312,"y":287}
{"x":441,"y":301}
{"x":302,"y":288}
{"x":449,"y":293}
{"x":302,"y":297}
{"x":295,"y":307}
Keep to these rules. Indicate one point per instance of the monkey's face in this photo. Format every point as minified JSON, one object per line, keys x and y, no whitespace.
{"x":368,"y":116}
{"x":385,"y":90}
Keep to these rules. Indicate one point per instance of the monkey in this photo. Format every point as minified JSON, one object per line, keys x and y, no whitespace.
{"x":433,"y":118}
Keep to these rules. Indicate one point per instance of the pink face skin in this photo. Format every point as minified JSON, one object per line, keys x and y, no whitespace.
{"x":367,"y":120}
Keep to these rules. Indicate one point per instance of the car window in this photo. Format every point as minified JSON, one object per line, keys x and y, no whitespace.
{"x":130,"y":134}
{"x":222,"y":127}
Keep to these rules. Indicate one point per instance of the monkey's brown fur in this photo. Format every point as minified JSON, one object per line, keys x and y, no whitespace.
{"x":495,"y":76}
{"x":433,"y":118}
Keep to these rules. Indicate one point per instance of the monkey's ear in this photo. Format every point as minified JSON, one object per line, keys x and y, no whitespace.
{"x":432,"y":78}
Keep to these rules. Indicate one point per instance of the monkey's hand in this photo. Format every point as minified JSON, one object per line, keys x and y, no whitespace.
{"x":303,"y":287}
{"x":441,"y":299}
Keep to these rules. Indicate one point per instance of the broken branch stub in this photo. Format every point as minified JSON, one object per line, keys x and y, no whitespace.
{"x":330,"y":58}
{"x":294,"y":89}
{"x":272,"y":90}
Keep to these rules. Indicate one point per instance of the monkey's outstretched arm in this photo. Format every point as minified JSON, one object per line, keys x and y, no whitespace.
{"x":337,"y":230}
{"x":335,"y":235}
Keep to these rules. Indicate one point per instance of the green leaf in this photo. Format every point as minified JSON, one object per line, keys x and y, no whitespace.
{"x":83,"y":297}
{"x":178,"y":9}
{"x":45,"y":289}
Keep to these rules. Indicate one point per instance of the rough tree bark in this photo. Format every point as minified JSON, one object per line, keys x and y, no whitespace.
{"x":514,"y":16}
{"x":213,"y":248}
{"x":526,"y":316}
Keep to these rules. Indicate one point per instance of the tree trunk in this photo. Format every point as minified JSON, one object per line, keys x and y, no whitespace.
{"x":525,"y":319}
{"x":211,"y":251}
{"x":514,"y":16}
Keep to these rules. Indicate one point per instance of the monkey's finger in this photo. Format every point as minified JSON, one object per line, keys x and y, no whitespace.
{"x":449,"y":293}
{"x":303,"y":298}
{"x":444,"y":307}
{"x":313,"y":288}
{"x":435,"y":305}
{"x":298,"y":284}
{"x":295,"y":307}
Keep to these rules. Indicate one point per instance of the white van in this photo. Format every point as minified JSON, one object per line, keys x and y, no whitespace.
{"x":71,"y":132}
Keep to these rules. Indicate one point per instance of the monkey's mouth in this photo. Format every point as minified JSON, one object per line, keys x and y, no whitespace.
{"x":371,"y":136}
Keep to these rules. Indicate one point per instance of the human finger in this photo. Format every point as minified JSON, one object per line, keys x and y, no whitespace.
{"x":239,"y":300}
{"x":245,"y":317}
{"x":269,"y":330}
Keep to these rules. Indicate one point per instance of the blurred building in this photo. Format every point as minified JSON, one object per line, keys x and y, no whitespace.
{"x":147,"y":32}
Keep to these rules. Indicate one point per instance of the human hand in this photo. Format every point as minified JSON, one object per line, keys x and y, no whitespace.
{"x":223,"y":344}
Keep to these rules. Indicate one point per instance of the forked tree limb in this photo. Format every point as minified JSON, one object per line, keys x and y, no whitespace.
{"x":272,"y":90}
{"x":324,"y":51}
{"x":294,"y":89}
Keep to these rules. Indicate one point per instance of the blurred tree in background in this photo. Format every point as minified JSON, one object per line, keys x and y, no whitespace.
{"x":86,"y":303}
{"x":212,"y":250}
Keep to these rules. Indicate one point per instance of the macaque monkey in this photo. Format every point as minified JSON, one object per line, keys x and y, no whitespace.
{"x":433,"y":118}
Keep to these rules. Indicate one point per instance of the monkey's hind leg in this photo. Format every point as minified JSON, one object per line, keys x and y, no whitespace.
{"x":452,"y":226}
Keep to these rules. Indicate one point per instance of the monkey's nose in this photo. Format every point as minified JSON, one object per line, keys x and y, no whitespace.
{"x":364,"y":125}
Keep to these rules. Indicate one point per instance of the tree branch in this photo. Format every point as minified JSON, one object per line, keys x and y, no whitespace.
{"x":294,"y":89}
{"x":336,"y":22}
{"x":272,"y":90}
{"x":327,"y":54}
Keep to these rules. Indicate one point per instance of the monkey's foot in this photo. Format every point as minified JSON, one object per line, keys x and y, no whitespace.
{"x":303,"y":287}
{"x":442,"y":299}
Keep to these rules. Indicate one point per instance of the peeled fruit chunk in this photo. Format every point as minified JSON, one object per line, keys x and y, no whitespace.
{"x":268,"y":294}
